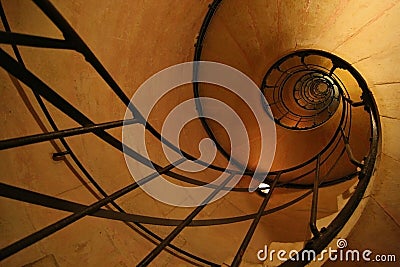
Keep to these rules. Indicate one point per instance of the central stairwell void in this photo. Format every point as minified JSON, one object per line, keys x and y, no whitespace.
{"x":327,"y":131}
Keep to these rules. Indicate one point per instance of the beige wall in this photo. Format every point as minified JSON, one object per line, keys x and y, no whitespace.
{"x":135,"y":39}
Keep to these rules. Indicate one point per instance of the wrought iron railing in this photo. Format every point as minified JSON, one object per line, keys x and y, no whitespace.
{"x":317,"y":94}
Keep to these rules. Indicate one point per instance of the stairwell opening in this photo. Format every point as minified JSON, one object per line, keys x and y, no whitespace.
{"x":327,"y":129}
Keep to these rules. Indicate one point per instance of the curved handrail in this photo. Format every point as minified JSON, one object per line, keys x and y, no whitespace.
{"x":73,"y":41}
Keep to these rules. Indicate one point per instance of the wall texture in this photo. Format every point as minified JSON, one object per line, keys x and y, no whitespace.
{"x":134,"y":40}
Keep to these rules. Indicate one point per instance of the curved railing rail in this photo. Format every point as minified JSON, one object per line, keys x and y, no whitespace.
{"x":328,"y":100}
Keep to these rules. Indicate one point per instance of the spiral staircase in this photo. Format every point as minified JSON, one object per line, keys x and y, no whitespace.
{"x":68,"y":197}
